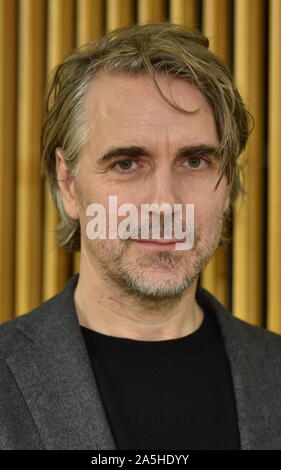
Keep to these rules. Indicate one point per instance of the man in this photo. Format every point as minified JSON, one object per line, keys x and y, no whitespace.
{"x":133,"y":353}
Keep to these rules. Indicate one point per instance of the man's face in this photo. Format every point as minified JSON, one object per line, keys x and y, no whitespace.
{"x":174,"y":163}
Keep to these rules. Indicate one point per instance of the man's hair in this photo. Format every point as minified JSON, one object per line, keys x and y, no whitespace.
{"x":134,"y":50}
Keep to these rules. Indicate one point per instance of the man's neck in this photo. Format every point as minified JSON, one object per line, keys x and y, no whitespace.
{"x":105,"y":308}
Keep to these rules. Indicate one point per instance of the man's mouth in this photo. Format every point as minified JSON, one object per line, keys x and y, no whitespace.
{"x":157,"y":244}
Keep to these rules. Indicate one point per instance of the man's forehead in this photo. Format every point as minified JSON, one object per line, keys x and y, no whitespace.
{"x":110,"y":94}
{"x":128,"y":110}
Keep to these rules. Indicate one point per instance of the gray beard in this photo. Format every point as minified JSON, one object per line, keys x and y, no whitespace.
{"x":142,"y":292}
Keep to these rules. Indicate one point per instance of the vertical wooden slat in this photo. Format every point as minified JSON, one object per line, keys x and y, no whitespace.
{"x":29,"y":210}
{"x":89,"y":21}
{"x":248,"y":284}
{"x":89,"y":27}
{"x":150,"y":10}
{"x":118,"y":13}
{"x":57,"y":262}
{"x":184,"y":12}
{"x":274,"y":170}
{"x":217,"y":28}
{"x":8,"y":55}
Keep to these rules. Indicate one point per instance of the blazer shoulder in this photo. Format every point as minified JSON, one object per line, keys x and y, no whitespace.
{"x":260,"y":335}
{"x":11,"y":330}
{"x":39,"y":321}
{"x":242,"y":333}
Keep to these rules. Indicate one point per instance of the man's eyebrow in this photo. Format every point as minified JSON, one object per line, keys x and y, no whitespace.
{"x":197,"y":150}
{"x":134,"y":151}
{"x":130,"y":151}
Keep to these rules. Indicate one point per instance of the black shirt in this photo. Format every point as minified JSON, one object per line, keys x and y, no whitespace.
{"x":171,"y":394}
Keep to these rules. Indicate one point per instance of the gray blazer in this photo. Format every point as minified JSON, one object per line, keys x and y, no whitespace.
{"x":49,"y":397}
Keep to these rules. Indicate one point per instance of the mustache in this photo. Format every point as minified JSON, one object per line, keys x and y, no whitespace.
{"x":157,"y":231}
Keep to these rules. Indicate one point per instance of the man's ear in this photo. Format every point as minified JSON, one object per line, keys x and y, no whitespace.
{"x":66,"y":184}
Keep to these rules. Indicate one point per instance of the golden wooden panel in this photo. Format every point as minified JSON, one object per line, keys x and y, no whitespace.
{"x":150,"y":10}
{"x":8,"y":55}
{"x":248,"y":285}
{"x":57,"y":262}
{"x":76,"y":263}
{"x":89,"y":27}
{"x":118,"y":13}
{"x":29,"y":187}
{"x":89,"y":24}
{"x":184,"y":12}
{"x":274,"y":170}
{"x":217,"y":28}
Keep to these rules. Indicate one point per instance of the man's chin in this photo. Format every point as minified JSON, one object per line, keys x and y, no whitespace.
{"x":151,"y":288}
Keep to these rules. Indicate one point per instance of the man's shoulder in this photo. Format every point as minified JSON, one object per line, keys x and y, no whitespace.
{"x":239,"y":331}
{"x":259,"y":336}
{"x":42,"y":317}
{"x":11,"y":330}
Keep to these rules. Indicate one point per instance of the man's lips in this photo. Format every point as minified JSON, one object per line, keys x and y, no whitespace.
{"x":163,"y":244}
{"x":159,"y":242}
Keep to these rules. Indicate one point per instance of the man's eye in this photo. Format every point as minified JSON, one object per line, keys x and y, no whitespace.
{"x":195,"y":162}
{"x":124,"y":166}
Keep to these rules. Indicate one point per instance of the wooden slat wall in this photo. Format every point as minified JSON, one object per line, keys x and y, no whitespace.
{"x":89,"y":21}
{"x":184,"y":12}
{"x":118,"y":13}
{"x":35,"y":36}
{"x":274,"y":170}
{"x":248,"y":282}
{"x":8,"y":58}
{"x":216,"y":26}
{"x":60,"y":39}
{"x":150,"y":10}
{"x":89,"y":27}
{"x":28,"y":189}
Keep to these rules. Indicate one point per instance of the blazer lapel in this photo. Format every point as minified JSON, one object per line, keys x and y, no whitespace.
{"x":52,"y":369}
{"x":245,"y":346}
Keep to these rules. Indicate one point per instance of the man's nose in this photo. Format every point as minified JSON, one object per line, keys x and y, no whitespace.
{"x":163,"y":187}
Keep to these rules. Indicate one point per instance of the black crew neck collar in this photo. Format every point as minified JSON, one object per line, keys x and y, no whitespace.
{"x":203,"y":333}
